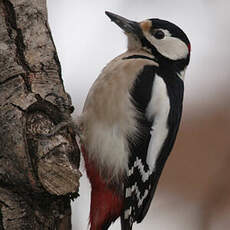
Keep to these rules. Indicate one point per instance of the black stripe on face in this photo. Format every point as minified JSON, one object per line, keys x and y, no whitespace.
{"x":139,"y":56}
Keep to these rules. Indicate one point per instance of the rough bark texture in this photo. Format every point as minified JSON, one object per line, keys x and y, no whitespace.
{"x":38,"y":175}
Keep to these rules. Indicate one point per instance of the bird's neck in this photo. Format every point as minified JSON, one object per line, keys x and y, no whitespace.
{"x":135,"y":46}
{"x":133,"y":43}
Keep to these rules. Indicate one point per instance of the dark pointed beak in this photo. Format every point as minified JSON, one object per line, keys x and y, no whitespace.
{"x":127,"y":25}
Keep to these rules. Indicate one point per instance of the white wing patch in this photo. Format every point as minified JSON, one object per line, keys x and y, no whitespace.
{"x":145,"y":174}
{"x":140,"y":198}
{"x":158,"y":108}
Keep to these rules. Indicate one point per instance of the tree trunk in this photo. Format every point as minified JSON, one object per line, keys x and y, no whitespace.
{"x":38,"y":174}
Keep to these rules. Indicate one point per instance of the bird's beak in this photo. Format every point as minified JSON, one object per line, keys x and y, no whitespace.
{"x":127,"y":25}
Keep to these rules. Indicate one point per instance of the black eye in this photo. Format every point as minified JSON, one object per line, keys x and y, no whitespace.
{"x":159,"y":34}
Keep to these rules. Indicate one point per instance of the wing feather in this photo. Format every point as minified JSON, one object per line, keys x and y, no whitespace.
{"x":142,"y":178}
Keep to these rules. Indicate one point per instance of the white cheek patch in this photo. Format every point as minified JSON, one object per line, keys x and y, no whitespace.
{"x":170,"y":47}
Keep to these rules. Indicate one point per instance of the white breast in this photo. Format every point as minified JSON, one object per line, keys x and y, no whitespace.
{"x":158,"y":108}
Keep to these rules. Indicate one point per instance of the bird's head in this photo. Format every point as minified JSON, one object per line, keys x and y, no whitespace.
{"x":163,"y":39}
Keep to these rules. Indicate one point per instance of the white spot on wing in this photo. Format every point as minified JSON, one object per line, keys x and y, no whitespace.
{"x":128,"y":192}
{"x":128,"y":213}
{"x":145,"y":174}
{"x":138,"y":195}
{"x":158,"y":108}
{"x":140,"y":201}
{"x":130,"y":172}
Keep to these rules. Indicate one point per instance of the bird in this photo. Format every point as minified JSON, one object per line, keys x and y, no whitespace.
{"x":130,"y":120}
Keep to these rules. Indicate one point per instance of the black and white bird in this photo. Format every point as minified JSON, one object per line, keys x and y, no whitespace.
{"x":130,"y":120}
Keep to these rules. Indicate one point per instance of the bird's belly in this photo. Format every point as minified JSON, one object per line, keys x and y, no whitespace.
{"x":109,"y":115}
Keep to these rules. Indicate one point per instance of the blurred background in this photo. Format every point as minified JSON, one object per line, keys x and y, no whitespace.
{"x":194,"y":189}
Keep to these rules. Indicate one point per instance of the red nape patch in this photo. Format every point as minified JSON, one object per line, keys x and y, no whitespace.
{"x":189,"y":48}
{"x":106,"y":205}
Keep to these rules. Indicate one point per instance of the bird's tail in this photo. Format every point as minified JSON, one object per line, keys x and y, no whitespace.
{"x":126,"y":224}
{"x":106,"y":205}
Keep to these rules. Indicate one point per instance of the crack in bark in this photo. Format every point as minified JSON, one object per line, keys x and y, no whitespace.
{"x":27,"y":81}
{"x":4,"y":204}
{"x":10,"y":79}
{"x":18,"y":107}
{"x":1,"y":222}
{"x":11,"y":23}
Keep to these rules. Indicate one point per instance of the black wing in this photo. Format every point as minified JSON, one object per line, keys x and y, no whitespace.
{"x":141,"y":183}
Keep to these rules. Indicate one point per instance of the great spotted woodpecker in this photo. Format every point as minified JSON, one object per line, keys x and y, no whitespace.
{"x":130,"y":120}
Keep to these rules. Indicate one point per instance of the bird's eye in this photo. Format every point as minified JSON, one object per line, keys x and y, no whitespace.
{"x":159,"y":34}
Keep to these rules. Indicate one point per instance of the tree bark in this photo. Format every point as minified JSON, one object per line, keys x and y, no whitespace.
{"x":38,"y":174}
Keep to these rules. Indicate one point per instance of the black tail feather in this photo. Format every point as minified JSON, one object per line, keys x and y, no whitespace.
{"x":126,"y":224}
